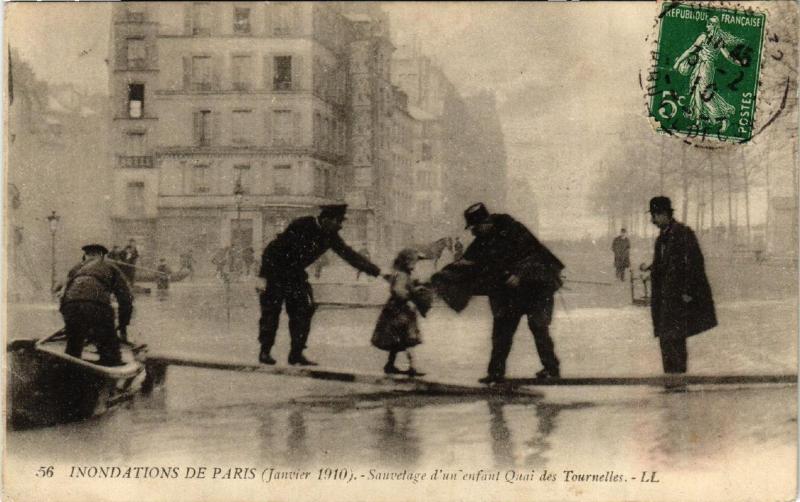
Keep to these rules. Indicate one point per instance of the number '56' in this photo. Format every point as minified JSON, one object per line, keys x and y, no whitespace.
{"x":669,"y":107}
{"x":45,"y":472}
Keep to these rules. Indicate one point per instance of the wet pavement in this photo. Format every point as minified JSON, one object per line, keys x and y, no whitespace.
{"x":741,"y":440}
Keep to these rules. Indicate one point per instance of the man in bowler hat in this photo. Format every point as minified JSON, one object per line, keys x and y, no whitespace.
{"x":283,"y":265}
{"x":681,"y":304}
{"x":86,"y":305}
{"x":522,"y":276}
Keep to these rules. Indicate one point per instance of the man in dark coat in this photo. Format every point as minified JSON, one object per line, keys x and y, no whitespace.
{"x":86,"y":305}
{"x":130,"y":255}
{"x":520,"y":276}
{"x":283,"y":265}
{"x":621,"y":247}
{"x":682,"y":304}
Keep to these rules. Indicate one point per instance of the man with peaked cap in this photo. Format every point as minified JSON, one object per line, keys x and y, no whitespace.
{"x":283,"y":265}
{"x":520,"y":276}
{"x":681,"y":302}
{"x":86,"y":305}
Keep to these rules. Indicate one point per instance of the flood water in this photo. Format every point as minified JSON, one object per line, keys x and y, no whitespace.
{"x":736,"y":442}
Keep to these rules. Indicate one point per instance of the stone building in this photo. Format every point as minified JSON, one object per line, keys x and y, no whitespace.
{"x":461,"y":156}
{"x":229,"y":120}
{"x":56,"y":145}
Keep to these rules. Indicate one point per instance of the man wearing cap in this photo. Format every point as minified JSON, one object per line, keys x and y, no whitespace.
{"x":621,"y":247}
{"x":681,"y":303}
{"x":522,"y":277}
{"x":283,"y":265}
{"x":86,"y":305}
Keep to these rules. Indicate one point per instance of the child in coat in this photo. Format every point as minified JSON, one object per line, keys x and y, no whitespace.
{"x":397,"y":330}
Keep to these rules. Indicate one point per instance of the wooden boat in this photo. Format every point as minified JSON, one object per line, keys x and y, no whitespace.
{"x":47,"y":387}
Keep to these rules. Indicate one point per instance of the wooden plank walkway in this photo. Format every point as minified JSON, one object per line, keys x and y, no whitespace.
{"x":517,"y":386}
{"x":159,"y":362}
{"x":662,"y":380}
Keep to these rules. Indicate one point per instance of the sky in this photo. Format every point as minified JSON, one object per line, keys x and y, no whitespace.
{"x":566,"y":77}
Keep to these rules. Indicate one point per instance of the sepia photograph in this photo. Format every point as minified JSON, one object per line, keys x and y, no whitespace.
{"x":400,"y":251}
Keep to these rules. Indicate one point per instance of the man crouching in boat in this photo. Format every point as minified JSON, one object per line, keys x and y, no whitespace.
{"x":86,"y":305}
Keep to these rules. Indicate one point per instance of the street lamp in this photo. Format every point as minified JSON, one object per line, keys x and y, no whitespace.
{"x":238,"y":192}
{"x":52,"y":221}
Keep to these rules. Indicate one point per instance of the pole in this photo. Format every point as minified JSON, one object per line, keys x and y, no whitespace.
{"x":52,"y":262}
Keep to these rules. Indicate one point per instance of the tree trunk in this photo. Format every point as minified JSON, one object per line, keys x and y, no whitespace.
{"x":685,"y":187}
{"x":730,"y":198}
{"x":713,"y":219}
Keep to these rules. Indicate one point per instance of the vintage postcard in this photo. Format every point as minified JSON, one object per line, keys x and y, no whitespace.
{"x":400,"y":251}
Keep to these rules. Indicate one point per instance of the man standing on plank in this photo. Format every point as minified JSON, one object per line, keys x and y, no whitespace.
{"x":682,"y":304}
{"x":283,"y":265}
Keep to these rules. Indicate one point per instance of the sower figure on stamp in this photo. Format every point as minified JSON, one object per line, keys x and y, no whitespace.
{"x":86,"y":306}
{"x":682,"y":304}
{"x":521,"y":276}
{"x":621,"y":247}
{"x":283,"y":265}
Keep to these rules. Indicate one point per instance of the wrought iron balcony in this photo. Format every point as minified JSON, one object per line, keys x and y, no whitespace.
{"x":135,"y":161}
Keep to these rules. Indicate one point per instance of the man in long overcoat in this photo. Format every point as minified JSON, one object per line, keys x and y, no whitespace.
{"x":283,"y":265}
{"x":520,"y":276}
{"x":621,"y":246}
{"x":682,"y":304}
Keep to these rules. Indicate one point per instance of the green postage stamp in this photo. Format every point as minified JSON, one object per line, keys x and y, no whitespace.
{"x":706,"y":76}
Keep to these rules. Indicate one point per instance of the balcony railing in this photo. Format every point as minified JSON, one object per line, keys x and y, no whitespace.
{"x":135,"y":161}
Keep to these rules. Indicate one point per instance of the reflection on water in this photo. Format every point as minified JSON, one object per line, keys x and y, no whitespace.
{"x":331,"y":424}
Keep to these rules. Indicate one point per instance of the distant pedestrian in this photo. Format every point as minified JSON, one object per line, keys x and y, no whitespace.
{"x":397,"y":329}
{"x":622,"y":254}
{"x":130,"y":255}
{"x":115,"y":254}
{"x":187,"y":264}
{"x":220,"y":260}
{"x":164,"y":275}
{"x":682,"y":304}
{"x":248,"y":260}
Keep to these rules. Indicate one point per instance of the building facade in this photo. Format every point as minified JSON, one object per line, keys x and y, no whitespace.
{"x":229,"y":120}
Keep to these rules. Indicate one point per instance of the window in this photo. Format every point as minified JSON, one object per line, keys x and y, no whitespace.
{"x":282,"y":179}
{"x":241,"y":175}
{"x":317,"y":131}
{"x":427,"y":151}
{"x":282,"y":127}
{"x":242,"y":127}
{"x":283,"y":73}
{"x":137,"y":53}
{"x":201,"y":73}
{"x":202,"y":127}
{"x":135,"y":101}
{"x":200,"y":178}
{"x":135,"y":12}
{"x":241,"y":72}
{"x":134,"y":198}
{"x":135,"y":144}
{"x":241,"y":20}
{"x":201,"y":19}
{"x":281,"y":20}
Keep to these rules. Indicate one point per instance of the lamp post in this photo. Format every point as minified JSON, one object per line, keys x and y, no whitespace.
{"x":52,"y":221}
{"x":238,"y":192}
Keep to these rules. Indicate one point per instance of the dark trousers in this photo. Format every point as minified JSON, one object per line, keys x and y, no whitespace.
{"x":507,"y":313}
{"x":673,"y":353}
{"x":92,"y":322}
{"x":299,"y":305}
{"x":620,"y":273}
